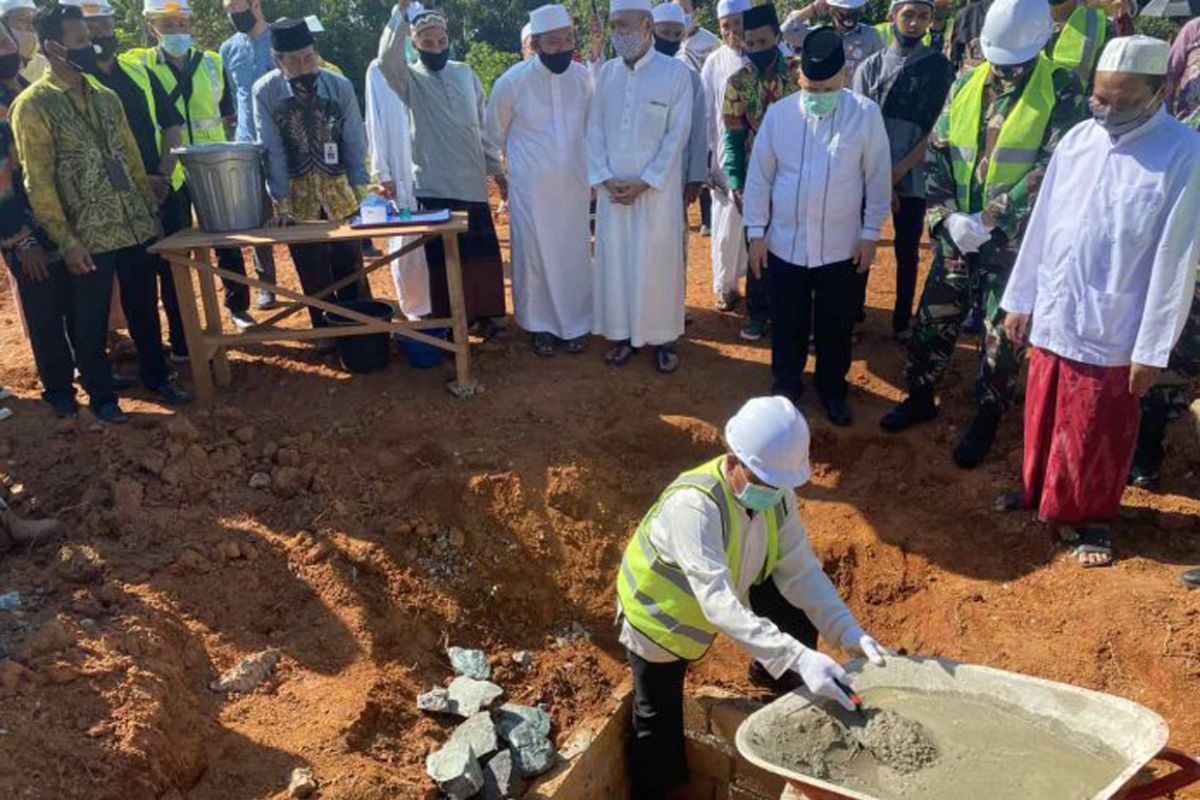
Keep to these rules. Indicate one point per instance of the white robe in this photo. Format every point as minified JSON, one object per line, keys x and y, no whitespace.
{"x":730,"y":259}
{"x":539,"y":120}
{"x":390,"y":158}
{"x":638,"y":129}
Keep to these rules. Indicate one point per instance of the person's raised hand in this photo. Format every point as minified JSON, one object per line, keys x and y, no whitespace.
{"x":1016,"y":328}
{"x":596,"y":30}
{"x":758,"y":256}
{"x":821,"y":674}
{"x":79,"y":261}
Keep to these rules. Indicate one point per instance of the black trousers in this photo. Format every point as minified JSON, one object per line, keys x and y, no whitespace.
{"x":657,"y":757}
{"x":137,"y":274}
{"x":706,"y":208}
{"x":322,"y":264}
{"x":817,"y":299}
{"x":908,"y":221}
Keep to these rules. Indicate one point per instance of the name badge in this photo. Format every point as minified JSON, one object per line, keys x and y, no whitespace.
{"x":118,"y":178}
{"x":331,"y":154}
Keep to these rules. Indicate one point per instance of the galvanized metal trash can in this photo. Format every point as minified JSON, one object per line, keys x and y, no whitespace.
{"x":226,"y":183}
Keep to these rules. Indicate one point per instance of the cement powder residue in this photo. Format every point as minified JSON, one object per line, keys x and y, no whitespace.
{"x":897,"y":741}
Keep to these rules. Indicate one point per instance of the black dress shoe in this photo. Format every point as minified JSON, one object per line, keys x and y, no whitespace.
{"x":838,"y":411}
{"x":976,"y":443}
{"x":111,"y":414}
{"x":64,"y":407}
{"x":917,"y":408}
{"x":172,"y":395}
{"x":123,"y":383}
{"x":1143,"y":477}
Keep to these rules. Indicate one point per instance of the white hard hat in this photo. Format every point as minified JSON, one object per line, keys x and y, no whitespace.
{"x":1015,"y":31}
{"x":770,"y":436}
{"x":12,"y":5}
{"x":91,"y":8}
{"x":1137,"y":55}
{"x":167,"y":7}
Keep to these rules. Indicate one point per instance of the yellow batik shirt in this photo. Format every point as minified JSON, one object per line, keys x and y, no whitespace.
{"x":69,"y":141}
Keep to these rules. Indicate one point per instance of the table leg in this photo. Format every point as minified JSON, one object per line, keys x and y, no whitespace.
{"x":196,"y":342}
{"x":212,"y":316}
{"x":462,"y":385}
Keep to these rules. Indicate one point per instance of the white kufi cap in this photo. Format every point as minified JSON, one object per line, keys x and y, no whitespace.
{"x":12,"y":5}
{"x":630,"y":5}
{"x":1139,"y":55}
{"x":548,"y":18}
{"x":1015,"y":31}
{"x":771,"y":437}
{"x":848,"y":5}
{"x":669,"y":12}
{"x":727,"y":8}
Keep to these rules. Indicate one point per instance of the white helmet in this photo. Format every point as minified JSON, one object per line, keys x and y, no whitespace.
{"x":156,"y":7}
{"x":770,"y":436}
{"x":1015,"y":31}
{"x":91,"y":8}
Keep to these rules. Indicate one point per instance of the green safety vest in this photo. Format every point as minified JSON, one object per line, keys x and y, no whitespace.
{"x":889,"y":34}
{"x":1020,"y":138}
{"x":655,"y":596}
{"x":140,"y":76}
{"x":202,"y":114}
{"x":1078,"y":46}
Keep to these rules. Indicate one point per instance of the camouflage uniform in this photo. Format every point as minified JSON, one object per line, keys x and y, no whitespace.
{"x":954,"y":278}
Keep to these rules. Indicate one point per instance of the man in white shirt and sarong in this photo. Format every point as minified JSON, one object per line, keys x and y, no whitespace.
{"x":1101,"y":290}
{"x":537,"y":115}
{"x":638,"y":130}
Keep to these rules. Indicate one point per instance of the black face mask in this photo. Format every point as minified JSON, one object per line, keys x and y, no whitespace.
{"x":243,"y":21}
{"x":667,"y":48}
{"x":83,"y":58}
{"x":557,"y":62}
{"x":108,"y":47}
{"x":907,"y":42}
{"x":845,"y":20}
{"x":10,"y":65}
{"x":434,"y":61}
{"x":304,"y":84}
{"x":763,"y":59}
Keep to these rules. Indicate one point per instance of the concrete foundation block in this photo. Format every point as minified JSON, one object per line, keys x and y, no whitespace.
{"x":709,"y":757}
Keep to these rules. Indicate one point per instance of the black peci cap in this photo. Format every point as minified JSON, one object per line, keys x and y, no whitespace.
{"x":823,"y":55}
{"x":760,"y":17}
{"x":288,"y":35}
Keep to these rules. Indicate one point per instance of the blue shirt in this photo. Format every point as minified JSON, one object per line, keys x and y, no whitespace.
{"x":246,"y":59}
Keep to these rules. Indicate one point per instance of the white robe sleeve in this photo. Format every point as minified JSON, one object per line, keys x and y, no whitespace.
{"x":1172,"y":281}
{"x":377,"y":160}
{"x":500,"y":109}
{"x":696,"y":169}
{"x":598,"y":169}
{"x":1020,"y":294}
{"x":679,"y":124}
{"x":760,"y":177}
{"x":491,"y":152}
{"x":877,"y":171}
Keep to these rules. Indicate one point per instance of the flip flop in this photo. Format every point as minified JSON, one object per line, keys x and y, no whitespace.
{"x":1093,"y":541}
{"x":666,"y":360}
{"x":620,"y":355}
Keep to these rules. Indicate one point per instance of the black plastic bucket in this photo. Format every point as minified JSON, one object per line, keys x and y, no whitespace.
{"x":366,"y":352}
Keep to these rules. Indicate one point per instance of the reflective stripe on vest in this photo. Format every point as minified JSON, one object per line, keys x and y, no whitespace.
{"x":138,"y":74}
{"x":889,"y":34}
{"x":1078,"y":44}
{"x":655,"y":595}
{"x":1020,"y":140}
{"x":202,"y":112}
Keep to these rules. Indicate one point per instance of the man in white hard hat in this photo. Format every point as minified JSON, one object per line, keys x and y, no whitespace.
{"x":858,"y":38}
{"x":729,"y":255}
{"x":537,"y":116}
{"x":1102,"y":289}
{"x":723,"y":550}
{"x":17,"y":16}
{"x":988,"y":154}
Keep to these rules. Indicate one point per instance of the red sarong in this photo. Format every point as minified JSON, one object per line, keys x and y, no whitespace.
{"x":1081,"y":426}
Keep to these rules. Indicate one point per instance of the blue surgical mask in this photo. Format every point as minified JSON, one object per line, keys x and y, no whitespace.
{"x":758,"y":498}
{"x":819,"y":104}
{"x":176,"y":44}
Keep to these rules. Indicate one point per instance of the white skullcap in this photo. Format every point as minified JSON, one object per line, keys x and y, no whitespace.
{"x":630,"y":5}
{"x":12,"y":5}
{"x":849,"y":5}
{"x":526,"y":32}
{"x":669,"y":12}
{"x":727,"y":8}
{"x":548,"y":18}
{"x":1139,"y":55}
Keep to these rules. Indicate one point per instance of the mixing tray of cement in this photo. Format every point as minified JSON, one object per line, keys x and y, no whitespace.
{"x":937,"y":729}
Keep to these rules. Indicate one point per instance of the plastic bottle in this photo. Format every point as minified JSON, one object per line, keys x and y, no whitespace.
{"x":374,"y":210}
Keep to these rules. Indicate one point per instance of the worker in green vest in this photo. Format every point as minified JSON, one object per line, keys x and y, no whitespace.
{"x":987,"y":156}
{"x":204,"y":96}
{"x":723,"y":551}
{"x":939,"y":35}
{"x":1080,"y":33}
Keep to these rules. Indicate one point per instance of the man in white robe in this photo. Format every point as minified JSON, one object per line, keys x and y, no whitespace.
{"x":729,"y":255}
{"x":638,"y":129}
{"x":390,"y":160}
{"x":538,"y":116}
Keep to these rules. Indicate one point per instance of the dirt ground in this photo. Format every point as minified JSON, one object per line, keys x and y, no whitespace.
{"x":404,"y":519}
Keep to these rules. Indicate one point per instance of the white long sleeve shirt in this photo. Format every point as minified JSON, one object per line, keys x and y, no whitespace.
{"x":817,"y":187}
{"x":687,"y":532}
{"x":1108,"y":263}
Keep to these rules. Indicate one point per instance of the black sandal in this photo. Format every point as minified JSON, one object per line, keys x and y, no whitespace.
{"x":666,"y":360}
{"x":544,"y":344}
{"x":1093,"y":541}
{"x":1009,"y":501}
{"x":577,"y":345}
{"x":620,"y":355}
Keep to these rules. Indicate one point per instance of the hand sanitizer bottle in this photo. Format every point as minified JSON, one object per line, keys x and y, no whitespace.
{"x":374,"y":210}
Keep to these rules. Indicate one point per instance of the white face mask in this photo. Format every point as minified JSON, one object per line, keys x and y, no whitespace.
{"x":628,"y":45}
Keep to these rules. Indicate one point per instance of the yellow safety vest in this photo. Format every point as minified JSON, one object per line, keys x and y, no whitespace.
{"x":655,"y":596}
{"x":140,"y":76}
{"x":202,"y":114}
{"x":1020,"y":139}
{"x":1078,"y":45}
{"x":889,"y":34}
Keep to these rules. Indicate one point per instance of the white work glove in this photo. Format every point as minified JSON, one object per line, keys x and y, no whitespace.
{"x":858,"y":642}
{"x":967,"y":232}
{"x":821,"y":674}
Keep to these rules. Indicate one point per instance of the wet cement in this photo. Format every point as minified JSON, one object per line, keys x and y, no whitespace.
{"x":909,"y":745}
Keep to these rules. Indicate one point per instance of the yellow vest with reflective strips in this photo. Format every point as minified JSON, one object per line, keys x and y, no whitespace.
{"x":889,"y":34}
{"x":655,"y":595}
{"x":1020,"y":138}
{"x":202,"y":114}
{"x":138,"y":74}
{"x":1078,"y":45}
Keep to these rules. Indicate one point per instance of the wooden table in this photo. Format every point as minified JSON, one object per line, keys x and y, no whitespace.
{"x":190,"y":252}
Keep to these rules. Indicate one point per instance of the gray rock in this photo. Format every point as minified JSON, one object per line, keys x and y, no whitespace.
{"x":301,"y":783}
{"x":249,"y":674}
{"x":523,"y":659}
{"x":527,"y":734}
{"x":534,"y":759}
{"x":510,"y":716}
{"x":468,"y":696}
{"x":260,"y":480}
{"x":471,"y":663}
{"x":501,"y":778}
{"x":480,"y":733}
{"x":435,"y":701}
{"x":455,"y":770}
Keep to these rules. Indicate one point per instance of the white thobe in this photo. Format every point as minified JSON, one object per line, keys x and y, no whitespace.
{"x":687,"y":531}
{"x":390,"y":159}
{"x":1108,"y":263}
{"x":637,"y":130}
{"x":698,"y":47}
{"x":730,"y":259}
{"x":539,"y":120}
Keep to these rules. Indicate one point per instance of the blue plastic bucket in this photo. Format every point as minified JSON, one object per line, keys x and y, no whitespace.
{"x":419,"y":354}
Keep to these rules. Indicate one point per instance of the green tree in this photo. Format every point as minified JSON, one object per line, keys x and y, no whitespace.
{"x":489,"y":63}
